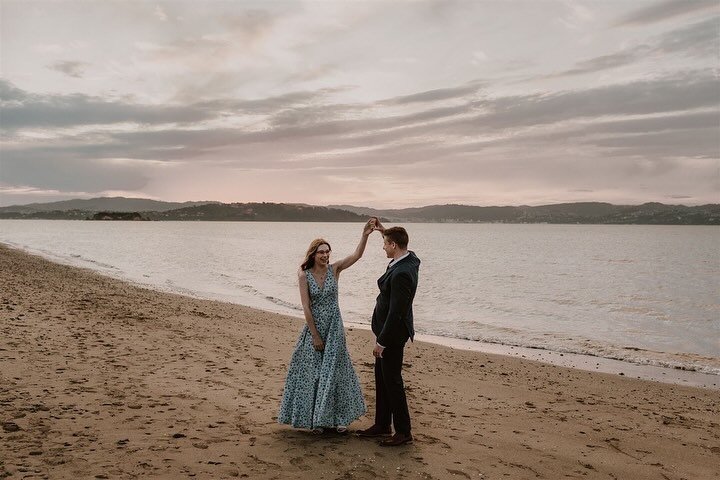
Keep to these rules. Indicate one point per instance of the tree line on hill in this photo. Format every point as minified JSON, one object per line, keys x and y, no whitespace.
{"x":119,"y":208}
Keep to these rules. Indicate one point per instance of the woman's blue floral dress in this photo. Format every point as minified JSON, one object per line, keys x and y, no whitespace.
{"x":322,"y":389}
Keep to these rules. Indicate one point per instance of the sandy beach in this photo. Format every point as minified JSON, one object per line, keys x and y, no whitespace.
{"x":103,"y":379}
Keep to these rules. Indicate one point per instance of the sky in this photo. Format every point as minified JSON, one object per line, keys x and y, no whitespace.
{"x":385,"y":104}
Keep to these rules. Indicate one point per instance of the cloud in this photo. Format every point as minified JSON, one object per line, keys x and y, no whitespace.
{"x":700,"y":143}
{"x":700,"y":39}
{"x":692,"y":90}
{"x":23,"y":110}
{"x":312,"y":128}
{"x":514,"y":136}
{"x":679,"y":121}
{"x":61,"y":111}
{"x":47,"y":173}
{"x":233,"y":37}
{"x":666,"y":10}
{"x":70,"y":68}
{"x":606,"y":62}
{"x":10,"y":93}
{"x":436,"y":95}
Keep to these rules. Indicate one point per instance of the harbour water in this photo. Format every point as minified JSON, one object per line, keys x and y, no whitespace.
{"x":642,"y":295}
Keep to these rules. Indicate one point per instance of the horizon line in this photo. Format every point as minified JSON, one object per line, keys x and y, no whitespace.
{"x":336,"y":205}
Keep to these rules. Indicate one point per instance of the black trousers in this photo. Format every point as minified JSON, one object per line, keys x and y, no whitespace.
{"x":391,"y":405}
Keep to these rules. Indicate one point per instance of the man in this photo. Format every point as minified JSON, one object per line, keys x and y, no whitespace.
{"x":392,"y":324}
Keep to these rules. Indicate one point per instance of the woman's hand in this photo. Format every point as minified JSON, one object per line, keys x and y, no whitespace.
{"x":318,"y":343}
{"x":370,"y":225}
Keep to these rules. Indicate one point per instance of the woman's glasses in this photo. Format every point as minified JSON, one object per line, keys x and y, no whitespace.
{"x":322,"y":252}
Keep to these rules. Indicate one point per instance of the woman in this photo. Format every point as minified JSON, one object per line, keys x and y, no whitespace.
{"x":322,"y":390}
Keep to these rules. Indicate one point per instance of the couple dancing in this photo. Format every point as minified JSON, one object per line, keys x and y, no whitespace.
{"x":322,"y":391}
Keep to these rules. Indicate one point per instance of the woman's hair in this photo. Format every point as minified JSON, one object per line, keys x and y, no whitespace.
{"x":310,"y":254}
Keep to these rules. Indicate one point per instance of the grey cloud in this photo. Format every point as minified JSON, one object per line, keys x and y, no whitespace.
{"x":271,"y":104}
{"x":666,"y":10}
{"x":82,"y":110}
{"x":687,"y":92}
{"x":400,"y":154}
{"x":402,"y":122}
{"x":95,"y":149}
{"x":435,"y":95}
{"x":79,"y":109}
{"x":607,"y":62}
{"x":71,"y":174}
{"x":682,"y":134}
{"x":683,"y":121}
{"x":69,"y":68}
{"x":311,"y":115}
{"x":702,"y":143}
{"x":697,"y":40}
{"x":10,"y":93}
{"x":297,"y":122}
{"x":667,"y":97}
{"x":572,"y":118}
{"x":30,"y":110}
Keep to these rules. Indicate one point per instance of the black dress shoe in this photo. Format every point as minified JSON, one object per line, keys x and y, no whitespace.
{"x":397,"y":440}
{"x":374,"y":431}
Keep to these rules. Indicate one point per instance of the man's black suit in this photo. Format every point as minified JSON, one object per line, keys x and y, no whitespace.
{"x":392,"y":324}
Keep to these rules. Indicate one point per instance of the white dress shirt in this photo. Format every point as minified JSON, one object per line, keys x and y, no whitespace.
{"x":395,"y":260}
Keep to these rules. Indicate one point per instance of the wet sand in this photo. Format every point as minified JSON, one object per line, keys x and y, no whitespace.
{"x":103,"y":379}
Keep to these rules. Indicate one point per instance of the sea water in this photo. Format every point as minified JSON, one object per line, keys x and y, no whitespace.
{"x":641,"y":294}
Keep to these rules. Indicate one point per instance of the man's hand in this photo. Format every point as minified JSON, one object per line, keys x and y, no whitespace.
{"x":378,"y":351}
{"x":378,"y":226}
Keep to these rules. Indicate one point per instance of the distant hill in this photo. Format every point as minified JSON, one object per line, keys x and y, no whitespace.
{"x":111,"y":204}
{"x":581,"y":212}
{"x":268,"y":212}
{"x":258,"y":212}
{"x":440,"y":213}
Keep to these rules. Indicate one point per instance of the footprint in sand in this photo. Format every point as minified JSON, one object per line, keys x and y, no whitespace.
{"x":299,"y":462}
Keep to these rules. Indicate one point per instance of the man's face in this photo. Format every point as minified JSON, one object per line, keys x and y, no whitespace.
{"x":389,"y":246}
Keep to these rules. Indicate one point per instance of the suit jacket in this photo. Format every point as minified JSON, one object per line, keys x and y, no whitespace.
{"x":392,"y":321}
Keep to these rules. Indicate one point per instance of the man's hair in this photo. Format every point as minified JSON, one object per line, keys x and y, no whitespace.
{"x":397,"y":235}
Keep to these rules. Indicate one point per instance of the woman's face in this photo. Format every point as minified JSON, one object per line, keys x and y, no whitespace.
{"x":322,"y":254}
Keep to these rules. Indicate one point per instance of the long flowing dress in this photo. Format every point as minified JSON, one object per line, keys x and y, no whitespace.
{"x":322,"y":389}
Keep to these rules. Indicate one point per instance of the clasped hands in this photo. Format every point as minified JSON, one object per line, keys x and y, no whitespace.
{"x":372,"y":225}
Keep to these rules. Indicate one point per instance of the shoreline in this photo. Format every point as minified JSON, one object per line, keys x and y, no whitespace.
{"x":590,"y":363}
{"x":100,"y":378}
{"x":581,"y":361}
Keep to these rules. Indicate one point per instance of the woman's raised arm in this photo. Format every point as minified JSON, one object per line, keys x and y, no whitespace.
{"x":348,"y":261}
